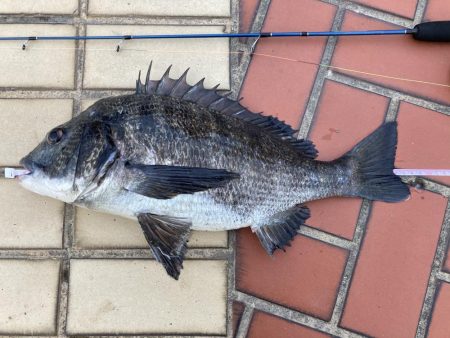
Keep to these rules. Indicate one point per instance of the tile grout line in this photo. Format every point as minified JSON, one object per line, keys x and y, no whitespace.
{"x":231,"y":281}
{"x":61,"y":93}
{"x":372,"y":12}
{"x":69,"y":210}
{"x":319,"y":81}
{"x":380,"y":90}
{"x":420,"y":11}
{"x":443,"y":276}
{"x":317,"y":234}
{"x":349,"y":269}
{"x":392,"y":111}
{"x":131,"y":335}
{"x":244,"y":324}
{"x":231,"y":259}
{"x":439,"y":256}
{"x":80,"y":58}
{"x":293,"y":316}
{"x":245,"y":48}
{"x":63,"y":288}
{"x":38,"y":254}
{"x":68,"y":226}
{"x":234,"y":48}
{"x":428,"y":185}
{"x":116,"y":20}
{"x":63,"y":293}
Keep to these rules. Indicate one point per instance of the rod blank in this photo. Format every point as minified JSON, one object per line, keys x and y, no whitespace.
{"x":435,"y":31}
{"x":208,"y":36}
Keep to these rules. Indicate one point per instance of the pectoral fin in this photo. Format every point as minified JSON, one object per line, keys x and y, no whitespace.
{"x":167,"y":238}
{"x":164,"y":182}
{"x":281,"y":228}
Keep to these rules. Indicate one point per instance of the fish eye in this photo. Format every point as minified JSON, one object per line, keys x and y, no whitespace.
{"x":55,"y":136}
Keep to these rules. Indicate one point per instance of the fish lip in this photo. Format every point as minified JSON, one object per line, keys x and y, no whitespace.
{"x":27,"y":165}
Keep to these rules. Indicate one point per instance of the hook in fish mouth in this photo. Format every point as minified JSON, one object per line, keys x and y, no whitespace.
{"x":28,"y":164}
{"x":13,"y":173}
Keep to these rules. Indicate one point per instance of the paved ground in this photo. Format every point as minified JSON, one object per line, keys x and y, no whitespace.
{"x":358,"y":269}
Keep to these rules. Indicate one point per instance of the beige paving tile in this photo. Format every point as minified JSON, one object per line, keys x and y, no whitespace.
{"x":98,"y":230}
{"x":43,"y":63}
{"x":28,"y":296}
{"x":85,"y":104}
{"x":38,"y":6}
{"x":28,"y":220}
{"x":137,"y":297}
{"x":105,"y":68}
{"x":160,"y":7}
{"x":26,"y":122}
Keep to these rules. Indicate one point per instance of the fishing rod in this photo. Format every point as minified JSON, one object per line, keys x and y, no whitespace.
{"x":434,"y":31}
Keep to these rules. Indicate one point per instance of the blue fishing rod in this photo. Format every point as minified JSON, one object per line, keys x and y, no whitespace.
{"x":435,"y":31}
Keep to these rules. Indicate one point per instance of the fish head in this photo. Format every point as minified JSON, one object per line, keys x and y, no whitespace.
{"x":52,"y":165}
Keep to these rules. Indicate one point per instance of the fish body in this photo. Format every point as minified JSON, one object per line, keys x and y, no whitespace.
{"x":272,"y":176}
{"x":178,"y":157}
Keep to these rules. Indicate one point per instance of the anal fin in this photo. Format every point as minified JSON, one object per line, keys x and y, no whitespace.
{"x":281,"y":228}
{"x":167,"y":238}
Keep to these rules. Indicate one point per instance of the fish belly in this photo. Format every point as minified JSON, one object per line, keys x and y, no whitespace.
{"x":200,"y":209}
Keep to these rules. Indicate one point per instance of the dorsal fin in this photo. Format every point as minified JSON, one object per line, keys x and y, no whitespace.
{"x":210,"y":98}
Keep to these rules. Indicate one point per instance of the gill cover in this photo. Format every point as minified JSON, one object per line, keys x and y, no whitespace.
{"x":96,"y":154}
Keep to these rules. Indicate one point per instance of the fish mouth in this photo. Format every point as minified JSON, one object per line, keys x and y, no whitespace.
{"x":27,"y":167}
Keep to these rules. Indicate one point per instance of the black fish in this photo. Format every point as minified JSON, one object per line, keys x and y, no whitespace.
{"x":178,"y":157}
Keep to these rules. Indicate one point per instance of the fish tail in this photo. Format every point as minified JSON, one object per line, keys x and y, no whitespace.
{"x":372,"y":163}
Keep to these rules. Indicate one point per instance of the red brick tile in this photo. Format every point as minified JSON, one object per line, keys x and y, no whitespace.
{"x":335,"y":215}
{"x":247,"y":11}
{"x":344,"y":116}
{"x":306,"y":277}
{"x":238,"y":309}
{"x":437,"y":10}
{"x":267,"y":326}
{"x":440,"y":325}
{"x":406,"y":8}
{"x":334,"y":133}
{"x":424,"y":139}
{"x":391,"y":276}
{"x":398,"y":56}
{"x":279,"y":87}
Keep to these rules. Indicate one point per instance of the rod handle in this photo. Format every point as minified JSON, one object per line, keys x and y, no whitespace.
{"x":435,"y":31}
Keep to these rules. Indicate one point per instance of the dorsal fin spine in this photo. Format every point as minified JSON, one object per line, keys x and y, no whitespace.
{"x":209,"y":98}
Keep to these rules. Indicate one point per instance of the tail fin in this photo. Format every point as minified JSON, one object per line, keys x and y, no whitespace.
{"x":372,"y":161}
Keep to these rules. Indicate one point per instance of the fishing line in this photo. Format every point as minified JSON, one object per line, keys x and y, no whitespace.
{"x":277,"y":57}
